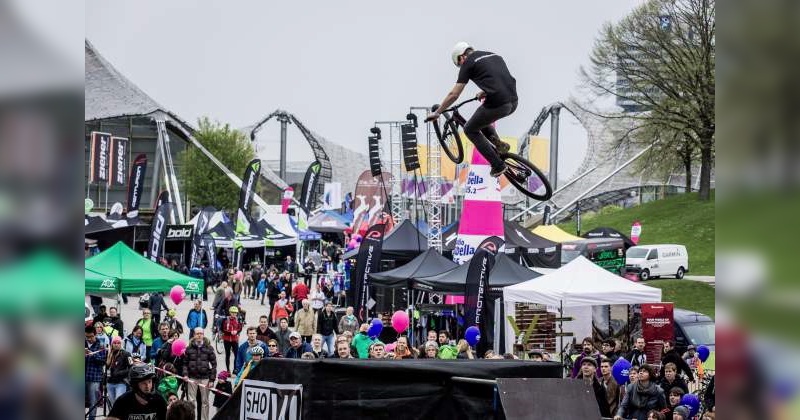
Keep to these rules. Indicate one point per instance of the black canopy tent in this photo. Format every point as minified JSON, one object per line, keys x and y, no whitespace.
{"x":505,"y":272}
{"x":607,"y":232}
{"x":428,"y":263}
{"x":520,"y":242}
{"x":95,"y":224}
{"x":404,"y":242}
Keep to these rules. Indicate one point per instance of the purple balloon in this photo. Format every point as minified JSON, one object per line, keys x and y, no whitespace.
{"x":621,"y":370}
{"x":693,"y":402}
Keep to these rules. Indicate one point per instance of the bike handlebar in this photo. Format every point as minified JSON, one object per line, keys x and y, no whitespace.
{"x":456,"y":106}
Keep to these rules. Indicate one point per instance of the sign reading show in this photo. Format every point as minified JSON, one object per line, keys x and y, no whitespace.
{"x":268,"y":400}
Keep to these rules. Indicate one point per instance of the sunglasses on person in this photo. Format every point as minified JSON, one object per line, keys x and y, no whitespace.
{"x":273,"y":345}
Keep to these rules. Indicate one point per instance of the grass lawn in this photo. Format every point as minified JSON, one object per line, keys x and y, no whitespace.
{"x":681,"y":219}
{"x":686,"y":294}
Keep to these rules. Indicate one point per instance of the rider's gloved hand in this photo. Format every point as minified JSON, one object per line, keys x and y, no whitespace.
{"x":432,"y":116}
{"x":480,"y":95}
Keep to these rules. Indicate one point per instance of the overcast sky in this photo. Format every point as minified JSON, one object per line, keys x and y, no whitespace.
{"x":341,"y":65}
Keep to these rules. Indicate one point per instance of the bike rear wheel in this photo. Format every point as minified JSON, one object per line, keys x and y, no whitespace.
{"x":526,"y":177}
{"x":450,"y":140}
{"x":219,"y":345}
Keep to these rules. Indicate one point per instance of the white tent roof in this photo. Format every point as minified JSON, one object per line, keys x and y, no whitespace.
{"x":581,"y":283}
{"x":281,"y":223}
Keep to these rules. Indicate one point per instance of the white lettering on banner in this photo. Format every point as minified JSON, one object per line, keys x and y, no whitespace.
{"x":120,"y":175}
{"x":158,"y":229}
{"x":178,"y":233}
{"x":658,"y":322}
{"x":136,"y":180}
{"x":102,"y":163}
{"x":269,"y":400}
{"x":311,"y":180}
{"x":250,"y":182}
{"x":481,"y":282}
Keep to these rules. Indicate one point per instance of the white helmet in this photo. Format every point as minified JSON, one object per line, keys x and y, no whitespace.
{"x":458,"y":50}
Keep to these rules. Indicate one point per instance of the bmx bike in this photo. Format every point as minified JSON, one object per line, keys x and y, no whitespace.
{"x":520,"y":172}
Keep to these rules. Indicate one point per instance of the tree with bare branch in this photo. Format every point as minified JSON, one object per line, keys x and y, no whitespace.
{"x":658,"y":63}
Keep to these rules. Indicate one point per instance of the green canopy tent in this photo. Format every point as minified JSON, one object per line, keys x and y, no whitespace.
{"x":120,"y":269}
{"x":41,"y":286}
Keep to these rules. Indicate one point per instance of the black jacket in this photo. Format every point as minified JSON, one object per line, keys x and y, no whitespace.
{"x":678,"y":382}
{"x":672,"y":356}
{"x":637,"y":403}
{"x":600,"y":396}
{"x":273,"y":291}
{"x":200,"y":362}
{"x":157,"y":303}
{"x":326,"y":325}
{"x":636,"y":357}
{"x":120,"y":364}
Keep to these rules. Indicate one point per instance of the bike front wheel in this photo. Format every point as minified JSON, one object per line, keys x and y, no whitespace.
{"x":450,"y":140}
{"x":526,"y":177}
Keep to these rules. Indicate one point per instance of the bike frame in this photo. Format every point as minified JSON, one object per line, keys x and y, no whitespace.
{"x":456,"y":116}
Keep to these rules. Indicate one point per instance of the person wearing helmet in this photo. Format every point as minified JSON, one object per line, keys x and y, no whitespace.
{"x":141,"y":402}
{"x":256,"y":355}
{"x":173,"y":322}
{"x":245,"y":349}
{"x":499,"y":91}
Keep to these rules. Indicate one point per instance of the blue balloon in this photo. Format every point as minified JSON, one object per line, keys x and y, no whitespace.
{"x":691,"y":401}
{"x":375,"y":328}
{"x":703,"y":352}
{"x":621,"y":371}
{"x":472,"y":335}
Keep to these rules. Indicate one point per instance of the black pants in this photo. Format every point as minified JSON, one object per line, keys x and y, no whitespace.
{"x":480,"y":131}
{"x":230,"y":347}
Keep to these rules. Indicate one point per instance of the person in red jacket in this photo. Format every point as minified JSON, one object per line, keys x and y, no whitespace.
{"x":300,"y":292}
{"x":282,"y":308}
{"x":230,"y":335}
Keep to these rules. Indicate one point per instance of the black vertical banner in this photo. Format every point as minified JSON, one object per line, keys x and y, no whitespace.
{"x":201,"y":227}
{"x":118,"y":162}
{"x":210,"y":248}
{"x":246,"y":193}
{"x":98,"y":157}
{"x":158,"y":231}
{"x":163,"y":197}
{"x":310,"y":186}
{"x":369,"y":259}
{"x":477,"y":285}
{"x":136,"y":185}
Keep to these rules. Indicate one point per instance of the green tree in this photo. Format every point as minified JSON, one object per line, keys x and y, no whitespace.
{"x":660,"y":61}
{"x":206,"y":185}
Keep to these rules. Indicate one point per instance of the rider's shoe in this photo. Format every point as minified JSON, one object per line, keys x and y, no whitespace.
{"x":498,"y":171}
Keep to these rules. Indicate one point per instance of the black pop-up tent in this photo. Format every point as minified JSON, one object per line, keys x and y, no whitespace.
{"x":521,"y":243}
{"x":404,"y":242}
{"x":504,"y":273}
{"x":607,"y":232}
{"x":428,"y":263}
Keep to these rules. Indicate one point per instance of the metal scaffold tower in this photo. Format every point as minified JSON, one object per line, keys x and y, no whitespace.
{"x":397,"y":203}
{"x":434,"y":184}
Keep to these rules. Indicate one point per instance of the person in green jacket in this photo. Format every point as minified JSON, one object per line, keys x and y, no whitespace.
{"x":446,"y":350}
{"x":362,"y":342}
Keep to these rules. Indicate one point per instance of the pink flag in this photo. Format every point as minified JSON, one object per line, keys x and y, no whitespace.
{"x":288,"y":193}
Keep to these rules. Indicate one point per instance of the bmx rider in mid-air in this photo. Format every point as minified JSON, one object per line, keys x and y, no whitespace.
{"x":498,"y":88}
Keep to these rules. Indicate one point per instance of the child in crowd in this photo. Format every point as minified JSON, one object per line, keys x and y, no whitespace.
{"x":224,"y":386}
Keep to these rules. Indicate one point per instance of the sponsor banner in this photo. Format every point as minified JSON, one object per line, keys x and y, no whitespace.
{"x":482,"y":213}
{"x":158,"y":231}
{"x":203,"y":220}
{"x":636,"y":232}
{"x":163,"y":197}
{"x":657,"y":327}
{"x":270,"y":400}
{"x":249,"y":181}
{"x":118,"y":162}
{"x":136,"y":185}
{"x":179,"y":232}
{"x":370,"y":199}
{"x":477,"y":282}
{"x":288,"y":194}
{"x":310,"y":186}
{"x":369,"y":259}
{"x":98,"y":157}
{"x":332,"y":196}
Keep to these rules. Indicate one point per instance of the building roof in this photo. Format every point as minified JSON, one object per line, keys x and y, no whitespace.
{"x":109,"y":94}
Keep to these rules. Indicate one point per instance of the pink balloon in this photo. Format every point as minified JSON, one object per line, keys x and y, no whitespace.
{"x":239,"y":275}
{"x":353,"y":243}
{"x":390,"y":347}
{"x":178,"y":347}
{"x":400,"y":321}
{"x":177,"y":294}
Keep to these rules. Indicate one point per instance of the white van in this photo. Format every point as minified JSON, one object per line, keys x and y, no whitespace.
{"x":657,"y":260}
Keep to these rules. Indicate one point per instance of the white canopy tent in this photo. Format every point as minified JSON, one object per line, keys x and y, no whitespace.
{"x":572,"y":290}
